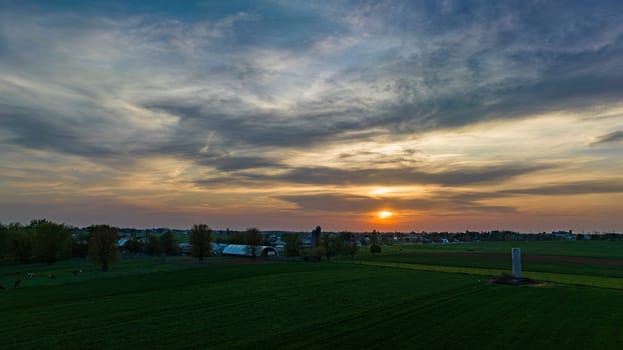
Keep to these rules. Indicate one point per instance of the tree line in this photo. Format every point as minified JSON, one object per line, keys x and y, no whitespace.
{"x":329,"y":245}
{"x":46,"y":241}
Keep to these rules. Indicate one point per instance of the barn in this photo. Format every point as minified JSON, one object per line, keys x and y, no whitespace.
{"x":246,"y":250}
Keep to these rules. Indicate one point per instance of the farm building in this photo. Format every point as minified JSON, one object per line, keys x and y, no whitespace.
{"x":218,"y":248}
{"x":246,"y":250}
{"x":185,"y":248}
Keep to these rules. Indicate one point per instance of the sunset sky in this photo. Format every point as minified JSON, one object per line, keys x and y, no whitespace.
{"x":445,"y":115}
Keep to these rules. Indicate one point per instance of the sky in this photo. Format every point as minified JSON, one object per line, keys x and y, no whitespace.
{"x":285,"y":115}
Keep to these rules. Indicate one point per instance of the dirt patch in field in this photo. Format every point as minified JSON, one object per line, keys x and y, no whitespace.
{"x":537,"y":258}
{"x":507,"y":279}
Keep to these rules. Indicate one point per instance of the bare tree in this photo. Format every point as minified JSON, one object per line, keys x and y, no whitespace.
{"x":103,"y":245}
{"x":253,"y":238}
{"x":201,"y":241}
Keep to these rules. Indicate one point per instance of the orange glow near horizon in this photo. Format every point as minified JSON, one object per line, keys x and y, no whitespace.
{"x":385,"y":214}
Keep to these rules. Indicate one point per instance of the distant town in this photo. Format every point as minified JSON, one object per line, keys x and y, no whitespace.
{"x":363,"y":239}
{"x":46,"y":241}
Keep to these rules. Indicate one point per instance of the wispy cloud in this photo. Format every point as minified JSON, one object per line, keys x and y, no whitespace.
{"x":613,"y":137}
{"x":279,"y":94}
{"x":433,"y":206}
{"x":574,"y":188}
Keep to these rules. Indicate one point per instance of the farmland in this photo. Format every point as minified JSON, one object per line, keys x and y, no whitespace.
{"x":394,"y":300}
{"x":570,"y":262}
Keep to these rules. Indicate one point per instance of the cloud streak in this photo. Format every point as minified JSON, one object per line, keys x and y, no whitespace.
{"x":272,"y":95}
{"x":324,"y":176}
{"x":613,"y":137}
{"x":432,"y":206}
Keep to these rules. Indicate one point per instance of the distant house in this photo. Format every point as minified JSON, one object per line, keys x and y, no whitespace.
{"x":185,"y":248}
{"x":246,"y":250}
{"x":564,"y":235}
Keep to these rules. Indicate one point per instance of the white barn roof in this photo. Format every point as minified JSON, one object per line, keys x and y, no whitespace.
{"x":245,"y":250}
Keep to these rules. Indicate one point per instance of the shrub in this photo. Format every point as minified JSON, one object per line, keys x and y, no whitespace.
{"x":375,"y":249}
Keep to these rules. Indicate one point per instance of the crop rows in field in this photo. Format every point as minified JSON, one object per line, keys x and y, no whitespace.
{"x":312,"y":306}
{"x":412,"y":296}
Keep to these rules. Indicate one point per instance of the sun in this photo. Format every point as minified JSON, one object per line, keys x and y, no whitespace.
{"x":385,"y":214}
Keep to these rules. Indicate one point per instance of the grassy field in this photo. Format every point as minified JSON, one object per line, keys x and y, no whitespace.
{"x":598,"y":261}
{"x":597,"y":249}
{"x":365,"y":303}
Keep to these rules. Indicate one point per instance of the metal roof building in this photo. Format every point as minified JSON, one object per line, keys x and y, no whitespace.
{"x":246,"y":250}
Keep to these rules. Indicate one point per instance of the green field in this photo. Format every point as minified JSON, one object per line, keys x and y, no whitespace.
{"x":583,"y":263}
{"x":598,"y":249}
{"x":392,"y":301}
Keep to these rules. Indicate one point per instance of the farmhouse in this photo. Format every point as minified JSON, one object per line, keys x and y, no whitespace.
{"x":185,"y":248}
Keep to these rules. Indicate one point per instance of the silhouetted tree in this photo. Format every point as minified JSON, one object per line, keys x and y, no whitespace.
{"x":20,"y":242}
{"x":294,"y":244}
{"x":201,"y":241}
{"x":152,"y":246}
{"x":52,"y":240}
{"x":348,"y":244}
{"x":4,"y":241}
{"x":103,"y":245}
{"x":168,"y":244}
{"x":132,"y":246}
{"x":374,"y":237}
{"x":331,"y":245}
{"x":253,"y":238}
{"x":79,"y":244}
